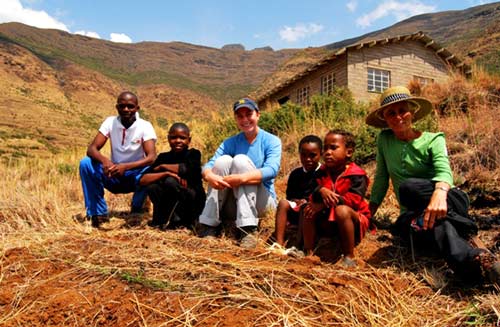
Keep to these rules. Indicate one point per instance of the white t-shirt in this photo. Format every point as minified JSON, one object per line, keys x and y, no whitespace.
{"x":126,"y":143}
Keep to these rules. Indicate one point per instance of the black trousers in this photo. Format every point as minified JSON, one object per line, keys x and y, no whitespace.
{"x":450,"y":235}
{"x":172,"y":203}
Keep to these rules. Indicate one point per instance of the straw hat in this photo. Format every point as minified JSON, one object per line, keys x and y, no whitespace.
{"x":422,"y":106}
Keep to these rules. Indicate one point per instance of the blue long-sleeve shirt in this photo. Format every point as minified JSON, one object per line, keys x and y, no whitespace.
{"x":265,"y":153}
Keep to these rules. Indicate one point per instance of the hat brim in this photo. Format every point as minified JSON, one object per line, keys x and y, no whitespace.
{"x":244,"y":105}
{"x":423,"y":108}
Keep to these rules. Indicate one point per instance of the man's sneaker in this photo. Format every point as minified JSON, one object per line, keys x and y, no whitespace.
{"x":250,"y":237}
{"x":97,"y":220}
{"x":207,"y":231}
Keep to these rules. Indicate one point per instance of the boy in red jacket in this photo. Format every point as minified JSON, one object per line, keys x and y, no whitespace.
{"x":339,"y":198}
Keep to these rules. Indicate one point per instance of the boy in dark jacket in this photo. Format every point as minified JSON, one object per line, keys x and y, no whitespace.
{"x":174,"y":182}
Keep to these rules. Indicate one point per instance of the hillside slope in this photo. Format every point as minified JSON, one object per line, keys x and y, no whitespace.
{"x":220,"y":73}
{"x":47,"y":109}
{"x":57,"y":87}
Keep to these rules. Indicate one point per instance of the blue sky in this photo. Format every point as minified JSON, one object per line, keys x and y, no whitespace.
{"x":252,"y":23}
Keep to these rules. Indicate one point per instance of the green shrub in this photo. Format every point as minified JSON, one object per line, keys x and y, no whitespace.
{"x":220,"y":129}
{"x":287,"y":118}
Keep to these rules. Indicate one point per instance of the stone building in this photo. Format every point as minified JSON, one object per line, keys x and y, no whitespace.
{"x":369,"y":68}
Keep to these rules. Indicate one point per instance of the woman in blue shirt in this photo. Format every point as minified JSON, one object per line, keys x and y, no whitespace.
{"x":241,"y":176}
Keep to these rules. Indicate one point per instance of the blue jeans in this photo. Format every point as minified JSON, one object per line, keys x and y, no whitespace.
{"x":94,"y":182}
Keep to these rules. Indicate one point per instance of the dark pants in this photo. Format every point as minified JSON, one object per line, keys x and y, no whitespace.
{"x":172,"y":203}
{"x":450,"y":235}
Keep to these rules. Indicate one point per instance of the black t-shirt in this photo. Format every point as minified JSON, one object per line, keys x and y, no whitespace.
{"x":189,"y":162}
{"x":301,"y":184}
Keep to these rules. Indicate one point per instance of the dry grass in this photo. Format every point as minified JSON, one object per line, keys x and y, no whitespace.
{"x":212,"y":280}
{"x":56,"y":271}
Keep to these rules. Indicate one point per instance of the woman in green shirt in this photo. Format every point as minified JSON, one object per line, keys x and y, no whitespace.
{"x":417,"y":164}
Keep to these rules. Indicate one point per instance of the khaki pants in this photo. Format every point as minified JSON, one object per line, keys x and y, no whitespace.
{"x":246,"y":203}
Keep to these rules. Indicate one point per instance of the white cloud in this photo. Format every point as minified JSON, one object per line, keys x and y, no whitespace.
{"x":89,"y":34}
{"x":300,"y":31}
{"x":13,"y":11}
{"x":400,"y":10}
{"x":352,"y":5}
{"x":120,"y":37}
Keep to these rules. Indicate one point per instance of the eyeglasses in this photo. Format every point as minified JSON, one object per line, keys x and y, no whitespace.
{"x":126,"y":105}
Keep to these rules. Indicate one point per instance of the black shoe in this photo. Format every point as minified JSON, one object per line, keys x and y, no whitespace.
{"x":207,"y":231}
{"x":97,"y":220}
{"x":154,"y":223}
{"x":138,"y":210}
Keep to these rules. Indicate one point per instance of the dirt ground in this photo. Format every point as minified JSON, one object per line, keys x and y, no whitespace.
{"x":138,"y":276}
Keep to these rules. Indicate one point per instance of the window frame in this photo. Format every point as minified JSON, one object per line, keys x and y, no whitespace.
{"x":303,"y":95}
{"x":328,"y":82}
{"x":423,"y":81}
{"x":380,"y":80}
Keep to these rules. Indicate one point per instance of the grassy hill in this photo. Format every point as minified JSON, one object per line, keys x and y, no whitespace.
{"x":222,"y":74}
{"x":49,"y":108}
{"x":57,"y":87}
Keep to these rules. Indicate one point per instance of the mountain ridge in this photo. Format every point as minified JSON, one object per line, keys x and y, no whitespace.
{"x":59,"y":86}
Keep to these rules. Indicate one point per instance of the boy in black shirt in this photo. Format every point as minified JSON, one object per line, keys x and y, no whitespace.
{"x":174,"y":182}
{"x":301,"y":183}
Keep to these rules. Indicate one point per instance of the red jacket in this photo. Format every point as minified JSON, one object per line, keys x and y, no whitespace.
{"x":351,"y":185}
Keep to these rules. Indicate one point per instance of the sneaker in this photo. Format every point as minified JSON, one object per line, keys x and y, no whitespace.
{"x":348,"y":262}
{"x":206,"y":231}
{"x":97,"y":220}
{"x":294,"y":252}
{"x":250,"y":238}
{"x":277,"y":248}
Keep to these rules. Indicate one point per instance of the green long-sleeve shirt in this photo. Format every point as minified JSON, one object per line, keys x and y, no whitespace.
{"x":425,"y":157}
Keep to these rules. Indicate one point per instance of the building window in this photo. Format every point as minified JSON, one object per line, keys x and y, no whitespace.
{"x":327,"y":83}
{"x":378,"y":80}
{"x":303,"y":96}
{"x":423,"y":81}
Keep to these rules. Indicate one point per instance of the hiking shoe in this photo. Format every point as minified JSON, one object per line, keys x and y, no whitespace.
{"x":97,"y":220}
{"x":206,"y":231}
{"x":250,"y":238}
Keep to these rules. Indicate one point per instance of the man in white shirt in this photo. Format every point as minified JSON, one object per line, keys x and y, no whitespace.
{"x":132,"y":151}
